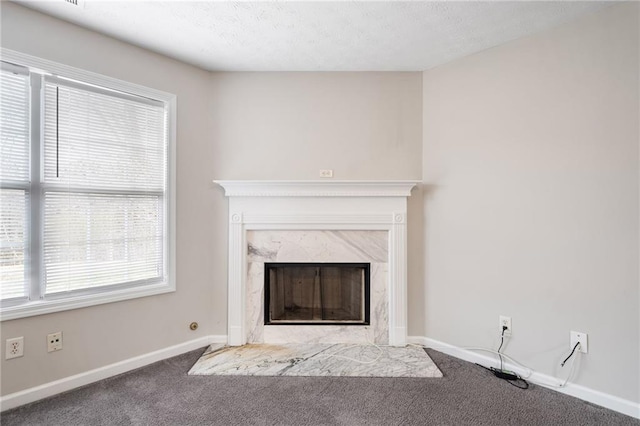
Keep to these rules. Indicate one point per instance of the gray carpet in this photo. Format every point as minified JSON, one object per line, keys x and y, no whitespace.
{"x":163,"y":394}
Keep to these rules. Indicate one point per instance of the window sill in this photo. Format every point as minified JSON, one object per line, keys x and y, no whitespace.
{"x":41,"y":307}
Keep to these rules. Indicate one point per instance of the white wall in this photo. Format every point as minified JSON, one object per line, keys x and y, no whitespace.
{"x":100,"y":335}
{"x":230,"y":126}
{"x":290,"y":125}
{"x":530,"y":168}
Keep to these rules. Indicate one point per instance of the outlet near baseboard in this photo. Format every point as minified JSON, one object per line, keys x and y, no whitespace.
{"x":14,"y":348}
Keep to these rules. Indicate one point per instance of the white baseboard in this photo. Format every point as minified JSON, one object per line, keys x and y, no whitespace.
{"x":611,"y":402}
{"x":53,"y":388}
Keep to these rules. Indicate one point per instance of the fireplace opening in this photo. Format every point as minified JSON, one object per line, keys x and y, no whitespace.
{"x":317,"y":293}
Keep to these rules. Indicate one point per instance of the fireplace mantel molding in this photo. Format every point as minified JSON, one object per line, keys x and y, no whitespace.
{"x":317,"y":188}
{"x":317,"y":205}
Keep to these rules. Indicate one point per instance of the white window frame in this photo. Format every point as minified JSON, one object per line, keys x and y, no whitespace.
{"x":37,"y":303}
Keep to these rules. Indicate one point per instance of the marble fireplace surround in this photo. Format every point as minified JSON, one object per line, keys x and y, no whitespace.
{"x":310,"y":221}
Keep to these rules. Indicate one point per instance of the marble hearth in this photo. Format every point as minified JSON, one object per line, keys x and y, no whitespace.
{"x":317,"y":221}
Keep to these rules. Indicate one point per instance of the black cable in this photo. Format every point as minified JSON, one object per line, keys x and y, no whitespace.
{"x":512,"y":378}
{"x":504,"y":328}
{"x":525,"y":384}
{"x":567,"y":358}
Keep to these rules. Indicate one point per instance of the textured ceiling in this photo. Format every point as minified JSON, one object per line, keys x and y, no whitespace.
{"x":316,"y":36}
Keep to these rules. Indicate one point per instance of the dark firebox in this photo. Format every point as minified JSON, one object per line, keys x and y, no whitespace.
{"x":317,"y":293}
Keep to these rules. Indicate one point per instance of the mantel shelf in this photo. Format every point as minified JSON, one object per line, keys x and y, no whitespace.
{"x":317,"y":188}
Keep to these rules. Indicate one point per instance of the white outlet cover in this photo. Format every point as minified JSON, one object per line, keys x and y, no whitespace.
{"x":54,"y":341}
{"x":14,"y":348}
{"x":577,"y":336}
{"x":504,"y":320}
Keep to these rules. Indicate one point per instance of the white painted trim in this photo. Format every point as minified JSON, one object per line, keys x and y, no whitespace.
{"x":317,"y":188}
{"x":318,"y":205}
{"x":395,"y":225}
{"x":323,"y":220}
{"x":611,"y":402}
{"x":68,"y":383}
{"x":41,"y":307}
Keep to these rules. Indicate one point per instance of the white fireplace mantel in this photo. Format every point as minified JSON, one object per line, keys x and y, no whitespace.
{"x":317,"y":205}
{"x":316,"y":188}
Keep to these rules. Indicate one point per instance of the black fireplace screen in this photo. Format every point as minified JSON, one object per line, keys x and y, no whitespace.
{"x":317,"y":293}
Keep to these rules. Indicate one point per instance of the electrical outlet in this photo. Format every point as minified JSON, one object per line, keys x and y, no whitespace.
{"x":54,"y":341}
{"x":505,"y":322}
{"x":15,"y":348}
{"x":326,"y":173}
{"x":578,"y":337}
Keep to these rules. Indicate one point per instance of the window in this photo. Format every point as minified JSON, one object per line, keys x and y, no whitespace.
{"x":86,"y":203}
{"x":14,"y":179}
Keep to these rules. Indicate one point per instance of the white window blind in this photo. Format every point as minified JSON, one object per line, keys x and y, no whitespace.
{"x":105,"y":163}
{"x":14,"y":180}
{"x":87,"y":188}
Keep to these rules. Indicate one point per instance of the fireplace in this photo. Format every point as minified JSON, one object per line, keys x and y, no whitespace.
{"x":317,"y":222}
{"x":317,"y":293}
